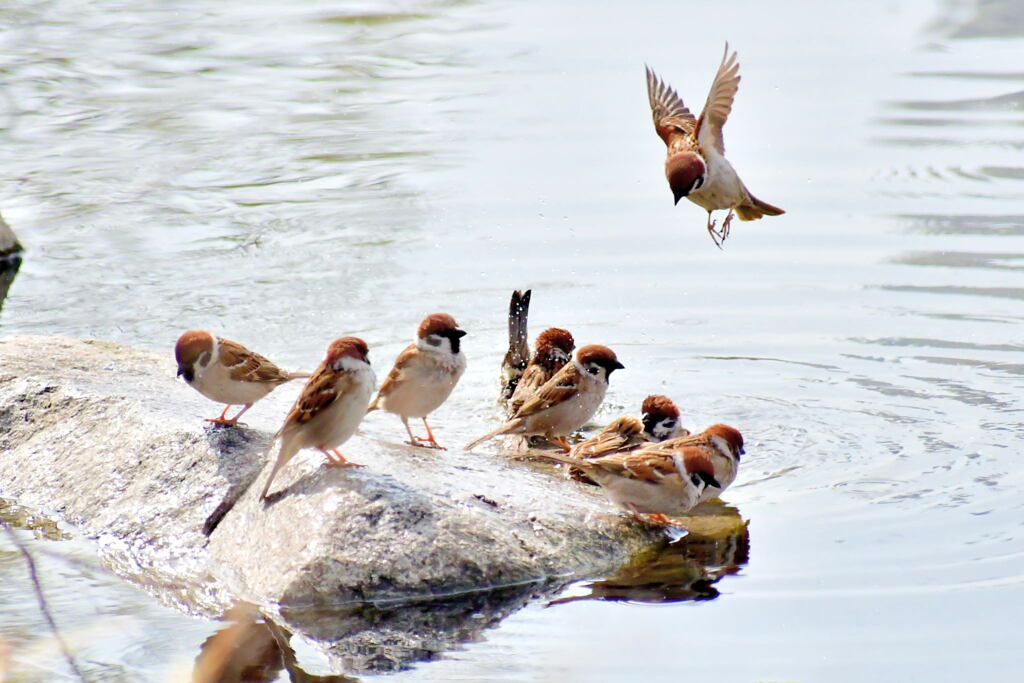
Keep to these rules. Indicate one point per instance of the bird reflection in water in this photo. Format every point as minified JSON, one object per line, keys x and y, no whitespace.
{"x":718,"y":545}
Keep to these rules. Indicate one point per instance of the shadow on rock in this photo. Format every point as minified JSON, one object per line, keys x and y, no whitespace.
{"x":687,"y":569}
{"x":240,"y":459}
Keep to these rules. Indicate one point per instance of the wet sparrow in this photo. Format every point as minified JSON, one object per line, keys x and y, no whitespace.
{"x":552,"y":350}
{"x":660,"y":421}
{"x":721,"y":443}
{"x":227,"y":372}
{"x":566,"y":401}
{"x":424,"y":375}
{"x":695,"y":164}
{"x":330,"y":407}
{"x":646,"y":483}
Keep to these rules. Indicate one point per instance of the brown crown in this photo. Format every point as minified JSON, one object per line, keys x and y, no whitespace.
{"x":436,"y":323}
{"x":557,"y":338}
{"x":682,"y":170}
{"x":191,"y":345}
{"x":595,"y":353}
{"x":732,"y":436}
{"x":656,"y":405}
{"x":353,"y":347}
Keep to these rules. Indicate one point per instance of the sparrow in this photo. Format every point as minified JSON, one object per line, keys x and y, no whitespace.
{"x":651,"y":486}
{"x":552,"y":350}
{"x":721,"y":443}
{"x":695,"y":164}
{"x":660,"y":421}
{"x":330,"y":407}
{"x":566,"y":401}
{"x":227,"y":372}
{"x":518,"y":355}
{"x":424,"y":375}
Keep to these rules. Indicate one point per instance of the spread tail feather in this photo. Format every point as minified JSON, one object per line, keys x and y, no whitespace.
{"x":299,"y":375}
{"x":755,"y":208}
{"x":509,"y":426}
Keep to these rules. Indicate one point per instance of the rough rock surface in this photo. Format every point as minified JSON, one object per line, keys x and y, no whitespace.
{"x":103,"y":436}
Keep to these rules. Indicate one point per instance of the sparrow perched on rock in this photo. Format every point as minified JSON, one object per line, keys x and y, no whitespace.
{"x":650,"y":485}
{"x":330,"y":407}
{"x":227,"y":372}
{"x":566,"y":401}
{"x":695,"y":164}
{"x":721,"y":443}
{"x":552,"y":350}
{"x":424,"y":375}
{"x":518,"y":355}
{"x":660,"y":421}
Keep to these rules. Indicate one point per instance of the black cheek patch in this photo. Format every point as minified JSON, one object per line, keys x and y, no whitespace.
{"x":455,"y":338}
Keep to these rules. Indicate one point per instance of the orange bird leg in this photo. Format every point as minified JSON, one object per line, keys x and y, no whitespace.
{"x":223,"y":419}
{"x":430,"y":437}
{"x":413,"y":441}
{"x":712,"y":233}
{"x":661,"y":521}
{"x":563,"y":444}
{"x":336,"y":459}
{"x":725,"y":225}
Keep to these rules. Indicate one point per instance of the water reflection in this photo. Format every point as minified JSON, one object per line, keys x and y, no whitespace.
{"x":687,"y":569}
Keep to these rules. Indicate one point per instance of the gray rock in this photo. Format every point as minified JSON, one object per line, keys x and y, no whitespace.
{"x":9,"y":244}
{"x":398,"y":553}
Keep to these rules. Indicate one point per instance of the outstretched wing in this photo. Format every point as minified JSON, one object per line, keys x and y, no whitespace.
{"x":719,"y":104}
{"x":667,"y":109}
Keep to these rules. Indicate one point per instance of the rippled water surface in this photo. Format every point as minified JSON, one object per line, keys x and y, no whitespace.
{"x":287,"y":173}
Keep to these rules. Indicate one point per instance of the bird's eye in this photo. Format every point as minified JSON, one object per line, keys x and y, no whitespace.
{"x":434,"y":340}
{"x":668,"y":424}
{"x":593,"y":369}
{"x":697,"y":481}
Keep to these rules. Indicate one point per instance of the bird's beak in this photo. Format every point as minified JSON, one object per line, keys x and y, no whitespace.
{"x":678,"y":195}
{"x":458,"y":334}
{"x":181,"y":371}
{"x":618,"y":366}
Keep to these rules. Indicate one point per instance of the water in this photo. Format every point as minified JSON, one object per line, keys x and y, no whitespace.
{"x":285,"y":175}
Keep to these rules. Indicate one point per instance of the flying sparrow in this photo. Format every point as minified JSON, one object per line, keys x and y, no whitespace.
{"x":721,"y":443}
{"x":695,"y":164}
{"x":552,"y":350}
{"x":518,"y":355}
{"x":660,"y":421}
{"x":650,"y":485}
{"x":424,"y":375}
{"x":330,"y":407}
{"x":227,"y":372}
{"x":566,"y":401}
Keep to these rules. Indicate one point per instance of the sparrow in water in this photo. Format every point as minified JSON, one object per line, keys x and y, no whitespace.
{"x":552,"y":350}
{"x":695,"y":164}
{"x":649,"y":485}
{"x":227,"y":372}
{"x":660,"y":421}
{"x":424,"y":375}
{"x":518,"y":355}
{"x":330,"y":407}
{"x":566,"y":401}
{"x":721,"y":443}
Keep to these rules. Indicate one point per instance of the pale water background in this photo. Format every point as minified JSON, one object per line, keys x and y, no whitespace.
{"x":287,"y":174}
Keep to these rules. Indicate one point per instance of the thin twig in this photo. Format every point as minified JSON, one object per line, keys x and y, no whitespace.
{"x":43,"y":606}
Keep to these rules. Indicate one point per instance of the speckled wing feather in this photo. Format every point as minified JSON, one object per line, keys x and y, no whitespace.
{"x":621,"y":434}
{"x":534,"y":377}
{"x":246,"y":366}
{"x":719,"y":103}
{"x":394,"y":377}
{"x":668,"y":447}
{"x":667,"y":109}
{"x":634,"y":465}
{"x":561,"y":387}
{"x":320,"y":392}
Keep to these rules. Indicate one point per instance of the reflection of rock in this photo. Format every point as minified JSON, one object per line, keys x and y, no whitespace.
{"x":104,"y":436}
{"x":981,"y":19}
{"x":8,"y":242}
{"x":389,"y":636}
{"x":684,"y":570}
